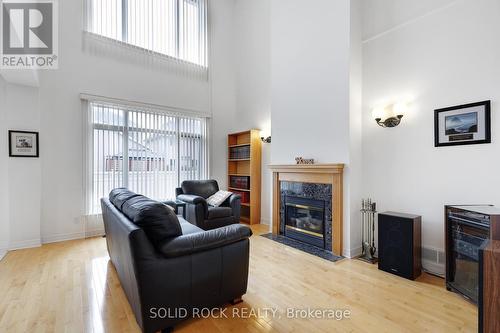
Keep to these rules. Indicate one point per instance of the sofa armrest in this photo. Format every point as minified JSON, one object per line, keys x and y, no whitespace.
{"x":202,"y":241}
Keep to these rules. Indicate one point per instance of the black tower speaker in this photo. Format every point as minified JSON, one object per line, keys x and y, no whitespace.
{"x":399,"y":248}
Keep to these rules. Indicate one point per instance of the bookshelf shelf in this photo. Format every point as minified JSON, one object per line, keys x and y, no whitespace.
{"x":244,"y":172}
{"x":239,"y":189}
{"x":240,"y":145}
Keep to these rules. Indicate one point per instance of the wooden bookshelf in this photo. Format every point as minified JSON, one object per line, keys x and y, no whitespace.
{"x":247,"y":163}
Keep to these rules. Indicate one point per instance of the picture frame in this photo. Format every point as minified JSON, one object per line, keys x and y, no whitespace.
{"x":24,"y":144}
{"x":466,"y":124}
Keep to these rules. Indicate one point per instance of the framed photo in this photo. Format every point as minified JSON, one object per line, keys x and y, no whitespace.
{"x":463,"y":125}
{"x":23,"y":144}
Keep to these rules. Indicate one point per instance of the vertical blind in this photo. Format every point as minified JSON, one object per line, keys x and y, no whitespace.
{"x":175,"y":28}
{"x":150,"y":152}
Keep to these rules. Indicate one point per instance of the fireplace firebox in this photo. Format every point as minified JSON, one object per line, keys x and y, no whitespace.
{"x":305,"y":220}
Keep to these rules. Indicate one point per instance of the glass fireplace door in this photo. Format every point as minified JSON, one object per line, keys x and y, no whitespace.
{"x":305,"y":221}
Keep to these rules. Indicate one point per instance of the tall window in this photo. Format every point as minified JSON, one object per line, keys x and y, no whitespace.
{"x":175,"y":28}
{"x":150,"y":152}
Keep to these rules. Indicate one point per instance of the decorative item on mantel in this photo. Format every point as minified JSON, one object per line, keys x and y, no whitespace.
{"x":301,"y":160}
{"x":368,"y":211}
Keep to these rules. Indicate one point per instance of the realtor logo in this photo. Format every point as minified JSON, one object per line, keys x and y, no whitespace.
{"x":29,"y":34}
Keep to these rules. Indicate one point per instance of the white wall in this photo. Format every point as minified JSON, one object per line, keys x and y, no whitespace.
{"x":252,"y":82}
{"x":316,"y":92}
{"x":24,"y":184}
{"x":354,"y":172}
{"x":20,"y":177}
{"x":4,"y":177}
{"x":222,"y":82}
{"x":445,"y":58}
{"x":310,"y":80}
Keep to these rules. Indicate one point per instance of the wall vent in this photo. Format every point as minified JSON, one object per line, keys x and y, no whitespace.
{"x":433,"y":260}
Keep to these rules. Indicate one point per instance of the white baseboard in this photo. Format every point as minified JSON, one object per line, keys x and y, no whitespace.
{"x":265,"y":221}
{"x":3,"y":252}
{"x":352,"y":253}
{"x":26,"y":244}
{"x":72,"y":236}
{"x":52,"y":239}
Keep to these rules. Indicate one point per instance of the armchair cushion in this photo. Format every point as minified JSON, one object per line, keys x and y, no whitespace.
{"x":203,"y":241}
{"x":219,"y":212}
{"x":158,"y":221}
{"x":202,"y":188}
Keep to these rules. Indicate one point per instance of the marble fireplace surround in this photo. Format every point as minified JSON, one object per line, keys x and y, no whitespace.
{"x":330,"y":174}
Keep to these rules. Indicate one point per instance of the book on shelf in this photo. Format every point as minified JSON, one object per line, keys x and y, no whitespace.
{"x":242,"y":182}
{"x":239,"y":153}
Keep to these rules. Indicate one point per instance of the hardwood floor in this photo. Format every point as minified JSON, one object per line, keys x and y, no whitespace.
{"x":72,"y":287}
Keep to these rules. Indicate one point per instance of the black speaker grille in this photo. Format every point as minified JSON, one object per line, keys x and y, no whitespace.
{"x":395,"y":245}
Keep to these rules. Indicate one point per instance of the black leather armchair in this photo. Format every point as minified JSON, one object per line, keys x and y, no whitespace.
{"x":178,"y":274}
{"x":195,"y":192}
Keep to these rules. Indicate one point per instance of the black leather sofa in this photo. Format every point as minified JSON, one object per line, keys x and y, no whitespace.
{"x":195,"y":192}
{"x":167,"y":265}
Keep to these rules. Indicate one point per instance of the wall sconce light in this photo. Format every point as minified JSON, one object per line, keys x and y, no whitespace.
{"x":389,"y":116}
{"x":266,"y":140}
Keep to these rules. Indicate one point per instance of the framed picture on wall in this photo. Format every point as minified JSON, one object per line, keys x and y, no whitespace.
{"x":463,"y":124}
{"x":23,"y":144}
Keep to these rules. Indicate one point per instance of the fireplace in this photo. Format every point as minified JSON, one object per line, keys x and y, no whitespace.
{"x":313,"y":216}
{"x":306,"y":213}
{"x":305,"y":220}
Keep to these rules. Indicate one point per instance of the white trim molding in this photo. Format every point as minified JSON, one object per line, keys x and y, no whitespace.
{"x":353,"y":253}
{"x":3,"y":252}
{"x":407,"y":23}
{"x":72,"y":236}
{"x":25,"y":244}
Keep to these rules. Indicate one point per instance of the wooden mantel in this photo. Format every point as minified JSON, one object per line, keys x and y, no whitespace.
{"x":312,"y":173}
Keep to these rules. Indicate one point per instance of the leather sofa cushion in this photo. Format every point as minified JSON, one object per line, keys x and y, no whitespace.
{"x":158,"y":220}
{"x":202,"y":188}
{"x":118,"y":196}
{"x":188,"y":228}
{"x":219,"y":212}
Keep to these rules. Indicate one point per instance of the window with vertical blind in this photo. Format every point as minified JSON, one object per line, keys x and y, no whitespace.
{"x":175,"y":28}
{"x":148,"y":151}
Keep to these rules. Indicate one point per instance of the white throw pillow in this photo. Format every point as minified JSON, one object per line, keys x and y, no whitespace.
{"x":218,"y":198}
